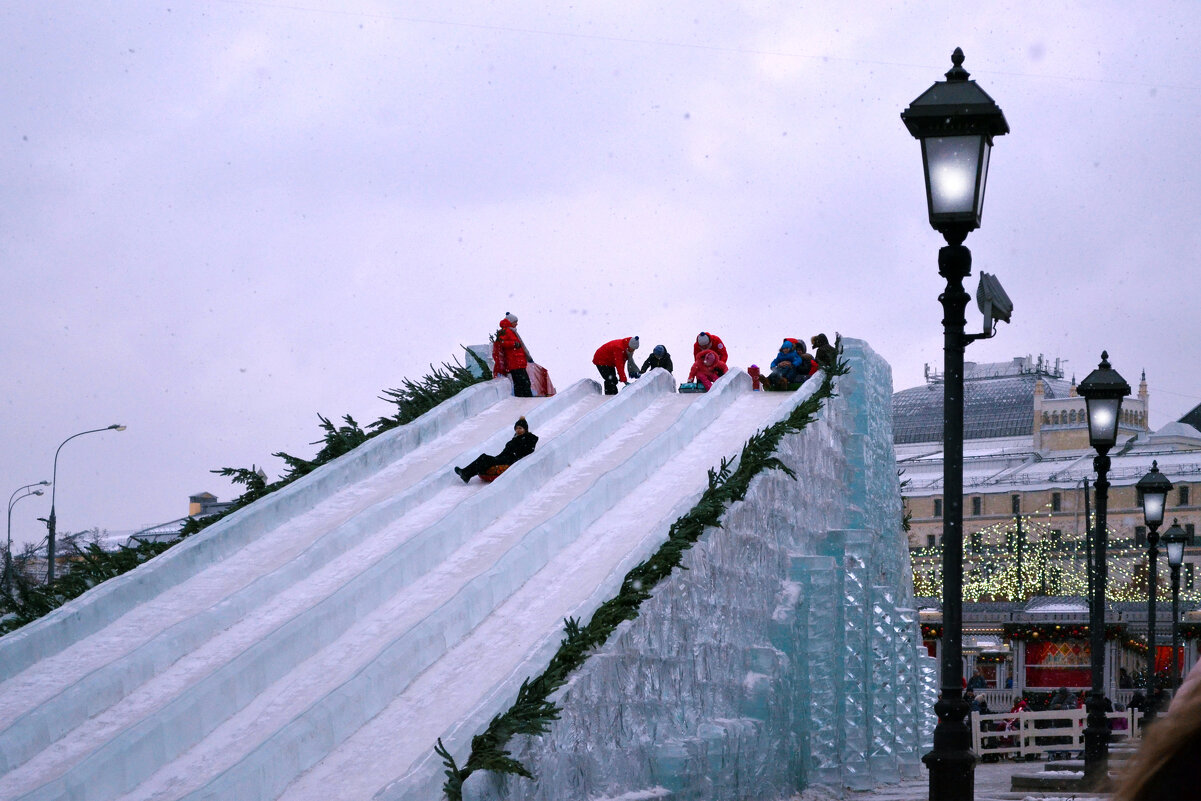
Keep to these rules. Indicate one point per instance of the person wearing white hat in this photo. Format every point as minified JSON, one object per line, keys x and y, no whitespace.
{"x":611,"y":359}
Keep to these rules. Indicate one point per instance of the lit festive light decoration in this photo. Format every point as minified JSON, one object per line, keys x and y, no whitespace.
{"x":1049,"y":567}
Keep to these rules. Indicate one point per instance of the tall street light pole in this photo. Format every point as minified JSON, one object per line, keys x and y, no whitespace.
{"x":28,"y":490}
{"x":1103,"y":390}
{"x":955,"y":121}
{"x":1153,"y":490}
{"x":50,"y":521}
{"x":1174,"y":540}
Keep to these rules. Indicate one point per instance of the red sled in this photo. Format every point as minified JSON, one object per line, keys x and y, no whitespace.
{"x":540,"y":382}
{"x":490,"y":475}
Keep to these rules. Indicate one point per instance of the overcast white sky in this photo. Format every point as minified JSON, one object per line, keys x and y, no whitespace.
{"x":222,"y":218}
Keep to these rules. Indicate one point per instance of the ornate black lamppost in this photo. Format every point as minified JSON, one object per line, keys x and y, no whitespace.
{"x":1174,"y":540}
{"x":955,"y":120}
{"x":1103,"y":391}
{"x":1153,"y":490}
{"x":51,"y":522}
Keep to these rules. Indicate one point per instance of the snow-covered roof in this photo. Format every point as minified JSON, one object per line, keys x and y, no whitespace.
{"x":996,"y":403}
{"x":1178,"y":429}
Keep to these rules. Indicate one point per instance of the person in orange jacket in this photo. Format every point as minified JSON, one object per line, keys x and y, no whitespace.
{"x":510,"y":356}
{"x":707,"y":368}
{"x":611,"y":359}
{"x":707,"y":341}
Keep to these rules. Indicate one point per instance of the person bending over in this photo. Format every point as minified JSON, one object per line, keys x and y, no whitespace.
{"x":611,"y":360}
{"x":659,"y":358}
{"x":519,"y":447}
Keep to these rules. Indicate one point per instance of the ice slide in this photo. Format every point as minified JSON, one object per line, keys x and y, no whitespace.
{"x":316,"y":644}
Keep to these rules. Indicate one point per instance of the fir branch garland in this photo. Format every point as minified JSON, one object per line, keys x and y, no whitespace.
{"x":26,"y":601}
{"x":412,"y":399}
{"x":533,"y":711}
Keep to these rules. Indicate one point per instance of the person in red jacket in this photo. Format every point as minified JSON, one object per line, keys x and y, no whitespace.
{"x":707,"y":341}
{"x":510,"y":356}
{"x":611,"y":359}
{"x":707,"y":368}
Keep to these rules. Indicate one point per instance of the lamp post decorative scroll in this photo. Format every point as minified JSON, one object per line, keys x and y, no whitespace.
{"x":1153,"y":490}
{"x":51,"y":521}
{"x":955,"y":121}
{"x":1174,"y":540}
{"x":1103,"y":390}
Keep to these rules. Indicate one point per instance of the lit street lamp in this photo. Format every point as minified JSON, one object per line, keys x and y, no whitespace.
{"x":1174,"y":540}
{"x":955,"y":121}
{"x":1153,"y":490}
{"x":12,"y":501}
{"x":1103,"y":390}
{"x":50,"y":521}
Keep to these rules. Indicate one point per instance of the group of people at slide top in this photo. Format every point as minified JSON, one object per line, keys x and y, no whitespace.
{"x":793,"y":364}
{"x":614,"y":360}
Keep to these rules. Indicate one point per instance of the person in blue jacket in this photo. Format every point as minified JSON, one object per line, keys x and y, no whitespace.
{"x":791,"y":365}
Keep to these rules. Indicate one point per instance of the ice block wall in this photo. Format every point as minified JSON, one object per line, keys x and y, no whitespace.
{"x":785,"y":656}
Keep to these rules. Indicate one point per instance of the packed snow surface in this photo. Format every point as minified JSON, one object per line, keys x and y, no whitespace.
{"x":335,"y":645}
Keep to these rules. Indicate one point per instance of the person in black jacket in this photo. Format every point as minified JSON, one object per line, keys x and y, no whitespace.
{"x":520,"y":446}
{"x":659,"y":358}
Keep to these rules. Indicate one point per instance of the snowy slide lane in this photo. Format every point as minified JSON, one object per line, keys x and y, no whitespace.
{"x":518,"y":639}
{"x":101,"y":669}
{"x":301,"y":660}
{"x":385,"y":650}
{"x":214,"y":682}
{"x":74,"y":621}
{"x":86,"y":678}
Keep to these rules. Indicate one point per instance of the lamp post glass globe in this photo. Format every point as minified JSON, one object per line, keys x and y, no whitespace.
{"x":1174,"y":540}
{"x":1153,"y":490}
{"x":955,"y":120}
{"x":1103,"y":390}
{"x":956,"y":171}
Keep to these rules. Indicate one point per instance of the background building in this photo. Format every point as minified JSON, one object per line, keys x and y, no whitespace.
{"x":1025,"y":515}
{"x":1026,"y":453}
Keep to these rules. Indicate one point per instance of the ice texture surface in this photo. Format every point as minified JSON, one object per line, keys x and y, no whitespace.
{"x":785,"y":656}
{"x":316,"y":644}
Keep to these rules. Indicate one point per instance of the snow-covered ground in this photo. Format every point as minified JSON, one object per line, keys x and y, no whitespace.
{"x":317,"y":647}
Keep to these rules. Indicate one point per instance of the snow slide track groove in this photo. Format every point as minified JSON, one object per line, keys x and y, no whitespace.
{"x":109,"y":684}
{"x":127,"y":759}
{"x":103,"y":604}
{"x":309,"y":737}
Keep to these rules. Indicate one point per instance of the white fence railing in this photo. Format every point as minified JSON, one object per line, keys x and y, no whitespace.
{"x":1031,"y":733}
{"x":1003,"y":699}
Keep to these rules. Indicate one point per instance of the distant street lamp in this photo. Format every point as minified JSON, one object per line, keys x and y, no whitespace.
{"x":12,"y":501}
{"x":50,"y":521}
{"x":955,"y":121}
{"x":1174,"y":540}
{"x":1153,"y":490}
{"x":1103,"y":390}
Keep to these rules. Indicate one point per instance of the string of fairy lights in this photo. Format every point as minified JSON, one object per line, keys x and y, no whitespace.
{"x":992,"y":570}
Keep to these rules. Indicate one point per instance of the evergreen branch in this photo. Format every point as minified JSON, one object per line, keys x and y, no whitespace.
{"x":532,"y":712}
{"x":26,"y":601}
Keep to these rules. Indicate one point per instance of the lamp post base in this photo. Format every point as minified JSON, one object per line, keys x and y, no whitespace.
{"x":952,"y":764}
{"x":952,"y":775}
{"x":1096,"y":742}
